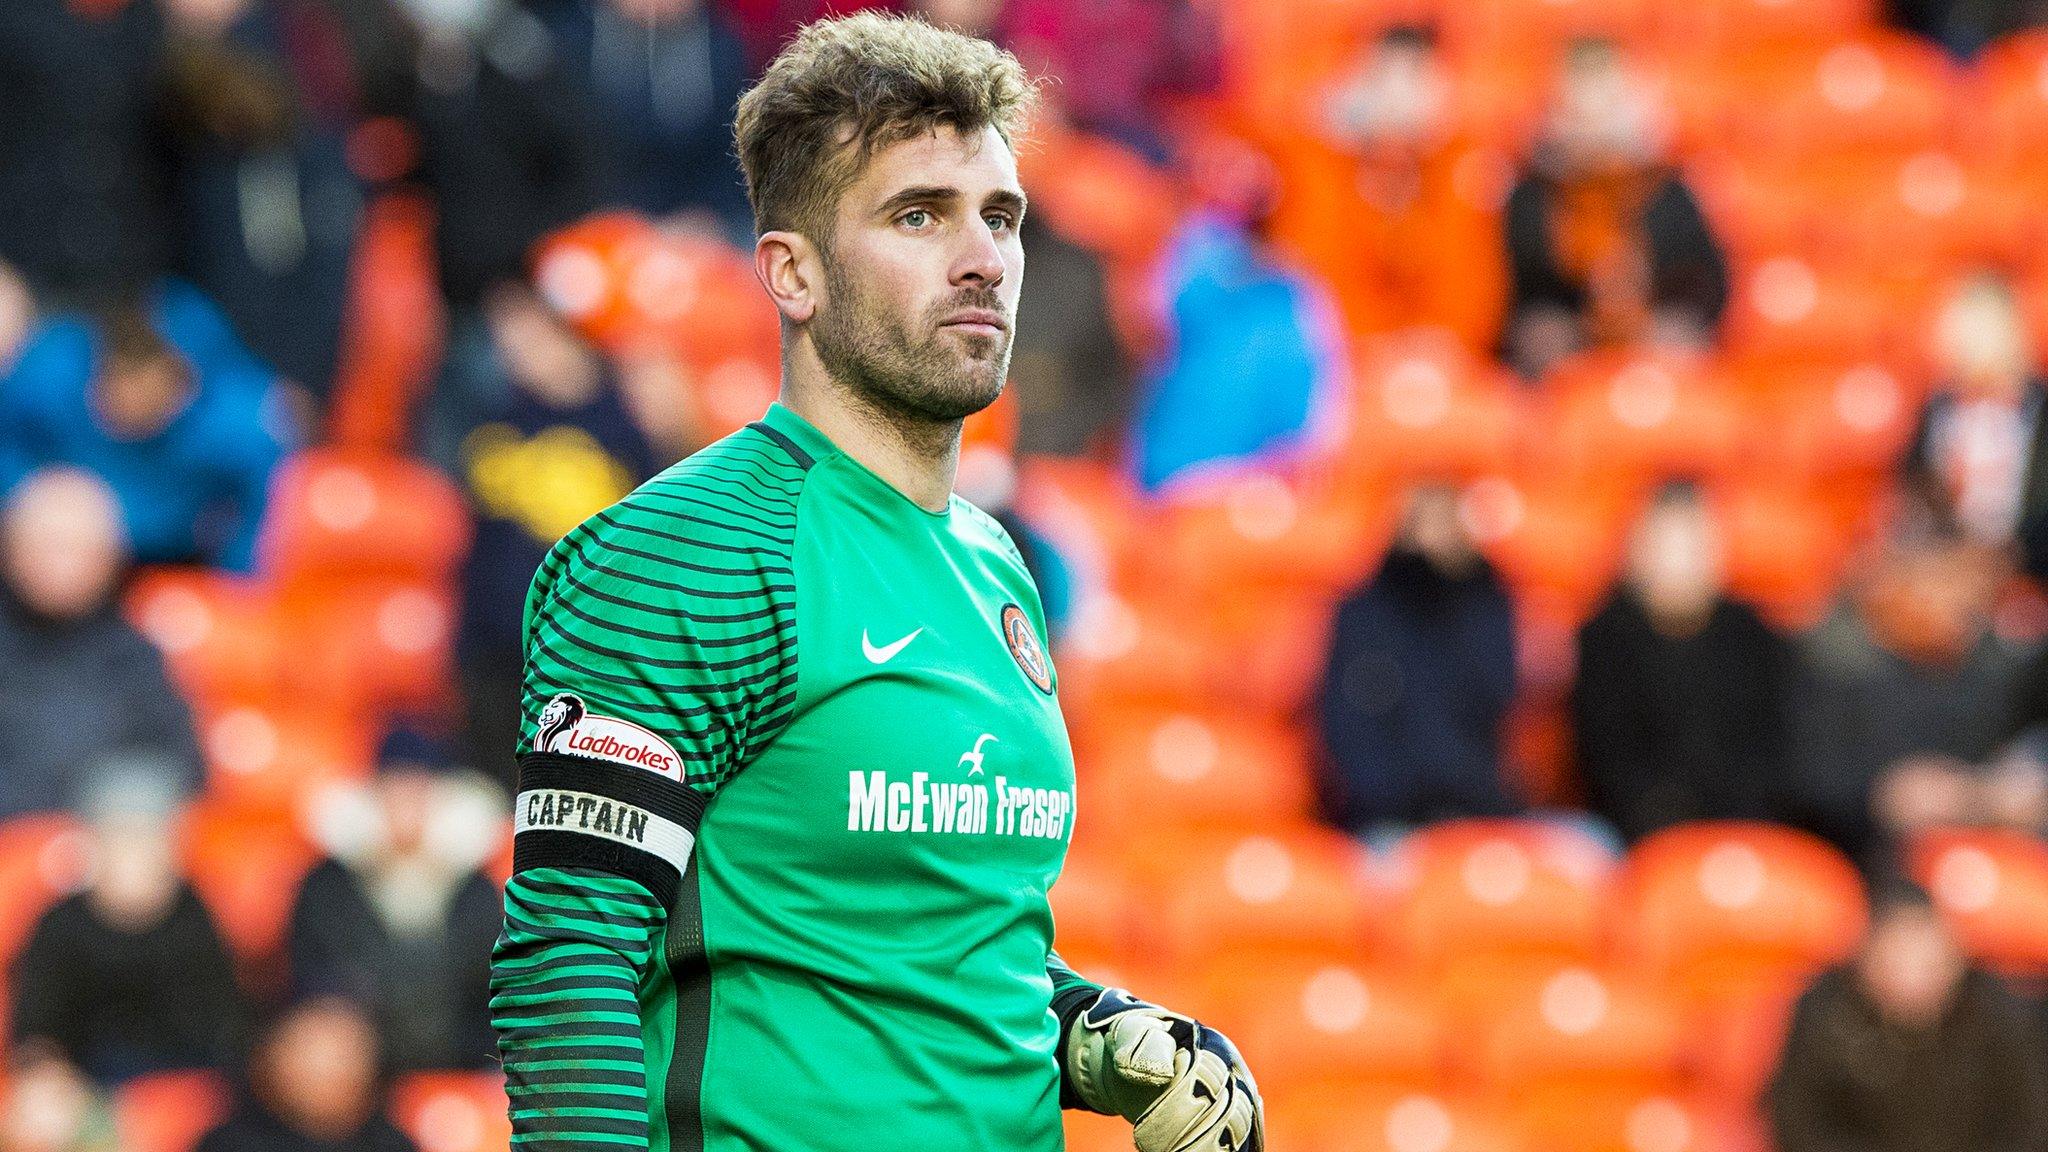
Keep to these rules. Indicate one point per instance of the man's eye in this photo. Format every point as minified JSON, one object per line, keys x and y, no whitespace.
{"x":916,"y":217}
{"x":1000,"y":221}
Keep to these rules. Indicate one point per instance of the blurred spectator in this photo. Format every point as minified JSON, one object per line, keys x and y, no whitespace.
{"x":129,"y":976}
{"x":1910,"y":1048}
{"x":161,"y":402}
{"x":1069,"y":373}
{"x":49,"y":1107}
{"x":667,"y":76}
{"x":511,"y":143}
{"x":397,"y":914}
{"x":1255,"y":362}
{"x":1679,"y":705}
{"x":1966,"y":27}
{"x":82,"y":167}
{"x":261,"y":96}
{"x":1606,"y":244}
{"x":313,"y":1086}
{"x":17,"y":316}
{"x":84,"y":690}
{"x":1114,"y":63}
{"x":1400,"y":208}
{"x":548,"y":443}
{"x":1420,"y":673}
{"x":1904,"y":696}
{"x":1981,"y":451}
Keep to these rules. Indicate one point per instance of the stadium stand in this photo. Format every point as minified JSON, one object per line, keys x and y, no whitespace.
{"x":1473,"y":986}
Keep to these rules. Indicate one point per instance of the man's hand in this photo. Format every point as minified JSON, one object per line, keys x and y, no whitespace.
{"x":1183,"y":1087}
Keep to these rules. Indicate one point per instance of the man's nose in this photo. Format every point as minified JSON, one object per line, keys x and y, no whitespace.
{"x":980,"y":261}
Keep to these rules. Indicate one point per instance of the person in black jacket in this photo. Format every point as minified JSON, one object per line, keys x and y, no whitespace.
{"x":84,"y":691}
{"x":1980,"y":450}
{"x":1910,"y":1049}
{"x":314,"y":1085}
{"x":1606,"y":244}
{"x":1678,"y":708}
{"x":398,"y":918}
{"x":129,"y":976}
{"x":1419,"y":677}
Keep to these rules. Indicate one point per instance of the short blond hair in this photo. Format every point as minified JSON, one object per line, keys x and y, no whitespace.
{"x":845,"y":88}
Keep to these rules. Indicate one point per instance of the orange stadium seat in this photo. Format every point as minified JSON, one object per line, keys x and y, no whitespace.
{"x":1261,"y":529}
{"x":1120,"y":653}
{"x":269,"y":756}
{"x":1731,"y":28}
{"x":1624,"y":1122}
{"x":1875,"y":94}
{"x":1580,"y":1030}
{"x":1424,"y":407}
{"x":1101,"y":194}
{"x":1754,"y":896}
{"x":1829,"y":421}
{"x":584,"y":272}
{"x":1558,"y":544}
{"x":1786,"y":307}
{"x":453,"y":1111}
{"x":221,"y":635}
{"x":1993,"y":886}
{"x":1782,"y":548}
{"x":1629,"y":414}
{"x":392,"y":326}
{"x":1093,"y":909}
{"x":2008,"y":100}
{"x":334,"y":512}
{"x":246,"y":866}
{"x":1542,"y":26}
{"x":1181,"y":768}
{"x":375,"y":645}
{"x":1306,"y":1022}
{"x":1299,"y":890}
{"x":1265,"y":652}
{"x":169,"y":1111}
{"x":1365,"y":1118}
{"x":1090,"y":511}
{"x":1472,"y":889}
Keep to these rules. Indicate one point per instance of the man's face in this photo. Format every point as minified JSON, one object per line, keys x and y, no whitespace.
{"x":922,"y":276}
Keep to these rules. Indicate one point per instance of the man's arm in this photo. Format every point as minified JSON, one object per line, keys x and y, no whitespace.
{"x":660,"y":658}
{"x":565,"y":980}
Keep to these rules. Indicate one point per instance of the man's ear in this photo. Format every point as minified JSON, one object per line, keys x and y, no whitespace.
{"x":787,"y":265}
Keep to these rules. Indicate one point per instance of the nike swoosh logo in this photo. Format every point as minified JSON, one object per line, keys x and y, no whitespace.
{"x":888,"y":652}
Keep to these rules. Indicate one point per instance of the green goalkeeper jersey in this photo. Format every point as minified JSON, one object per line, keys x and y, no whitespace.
{"x":794,"y":783}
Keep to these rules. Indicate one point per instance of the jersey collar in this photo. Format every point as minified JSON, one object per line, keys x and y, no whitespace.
{"x":800,"y":431}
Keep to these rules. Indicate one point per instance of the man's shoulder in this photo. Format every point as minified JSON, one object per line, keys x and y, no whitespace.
{"x":725,"y":516}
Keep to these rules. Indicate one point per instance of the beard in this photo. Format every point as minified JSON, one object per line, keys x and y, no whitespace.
{"x":911,"y":368}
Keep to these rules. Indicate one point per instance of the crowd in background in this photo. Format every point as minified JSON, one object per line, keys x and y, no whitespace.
{"x":185,"y":217}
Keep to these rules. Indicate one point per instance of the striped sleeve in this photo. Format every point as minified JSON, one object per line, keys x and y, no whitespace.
{"x":565,"y":979}
{"x":660,"y":659}
{"x":662,"y":632}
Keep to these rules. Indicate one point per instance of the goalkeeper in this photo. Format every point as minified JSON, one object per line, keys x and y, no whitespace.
{"x":794,"y":780}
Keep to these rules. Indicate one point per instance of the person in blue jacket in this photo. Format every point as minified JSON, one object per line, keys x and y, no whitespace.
{"x":162,"y":402}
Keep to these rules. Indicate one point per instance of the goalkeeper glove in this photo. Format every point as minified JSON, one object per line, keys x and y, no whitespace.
{"x":1182,"y":1086}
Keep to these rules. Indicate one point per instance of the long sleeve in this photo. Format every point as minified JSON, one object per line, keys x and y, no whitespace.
{"x":565,"y":980}
{"x":1071,"y":993}
{"x":1803,"y":1105}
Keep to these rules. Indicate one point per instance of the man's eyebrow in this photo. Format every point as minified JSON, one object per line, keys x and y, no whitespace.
{"x":919,"y":194}
{"x":940,"y":194}
{"x":1014,"y":202}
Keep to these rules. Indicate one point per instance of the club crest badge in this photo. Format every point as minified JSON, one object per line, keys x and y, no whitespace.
{"x":1024,"y":647}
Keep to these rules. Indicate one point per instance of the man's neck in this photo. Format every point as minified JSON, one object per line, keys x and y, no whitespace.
{"x":916,"y":458}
